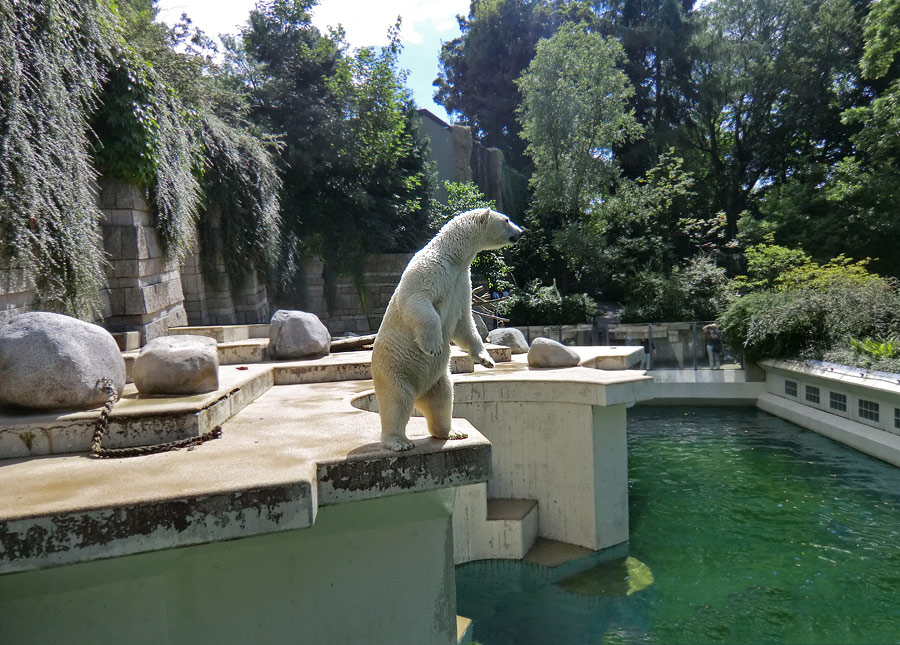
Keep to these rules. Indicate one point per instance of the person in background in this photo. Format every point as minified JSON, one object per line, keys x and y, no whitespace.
{"x":713,"y":345}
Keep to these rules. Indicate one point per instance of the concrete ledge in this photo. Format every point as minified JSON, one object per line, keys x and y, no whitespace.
{"x":296,"y":448}
{"x":135,"y":420}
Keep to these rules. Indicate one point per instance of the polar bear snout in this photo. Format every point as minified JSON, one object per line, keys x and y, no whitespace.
{"x":515,"y":233}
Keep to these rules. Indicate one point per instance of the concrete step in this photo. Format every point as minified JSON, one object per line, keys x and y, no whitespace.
{"x":225,"y":333}
{"x":512,"y":526}
{"x":492,"y":528}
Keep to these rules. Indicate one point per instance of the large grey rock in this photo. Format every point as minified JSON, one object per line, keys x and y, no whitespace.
{"x":297,"y":334}
{"x":549,"y":353}
{"x":50,"y":361}
{"x":179,"y":364}
{"x":480,"y":327}
{"x":509,"y":337}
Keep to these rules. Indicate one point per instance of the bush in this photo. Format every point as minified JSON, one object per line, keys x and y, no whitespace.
{"x":697,"y":291}
{"x":652,"y":297}
{"x":540,"y":305}
{"x":811,"y":321}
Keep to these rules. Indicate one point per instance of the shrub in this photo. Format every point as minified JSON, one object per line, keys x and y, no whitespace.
{"x":697,"y":291}
{"x":811,"y":321}
{"x":540,"y":305}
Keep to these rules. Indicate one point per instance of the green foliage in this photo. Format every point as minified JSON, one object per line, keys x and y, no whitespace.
{"x":356,"y":178}
{"x":573,"y":113}
{"x":815,"y":315}
{"x":633,"y":229}
{"x":50,"y":69}
{"x":241,"y":185}
{"x":877,"y":350}
{"x":699,"y":290}
{"x":478,"y":70}
{"x":774,"y":267}
{"x":767,"y":262}
{"x":544,"y":305}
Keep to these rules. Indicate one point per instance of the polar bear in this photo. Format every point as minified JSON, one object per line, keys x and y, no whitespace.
{"x":431,"y":305}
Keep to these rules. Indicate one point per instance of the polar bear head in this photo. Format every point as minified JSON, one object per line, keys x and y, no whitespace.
{"x":494,"y":229}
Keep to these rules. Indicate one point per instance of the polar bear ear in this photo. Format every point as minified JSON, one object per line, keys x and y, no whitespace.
{"x":484,"y":215}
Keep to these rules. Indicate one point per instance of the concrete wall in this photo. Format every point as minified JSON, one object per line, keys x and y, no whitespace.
{"x":215,"y":301}
{"x":350,"y":313}
{"x":879,"y":438}
{"x":458,"y":157}
{"x":571,"y":457}
{"x":144,"y":289}
{"x":379,"y":571}
{"x":16,"y":292}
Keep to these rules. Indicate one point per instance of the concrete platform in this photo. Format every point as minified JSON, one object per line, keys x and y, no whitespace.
{"x":295,"y":449}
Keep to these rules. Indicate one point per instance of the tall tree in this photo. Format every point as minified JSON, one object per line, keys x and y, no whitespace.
{"x":356,"y":178}
{"x":656,"y":37}
{"x":478,"y":70}
{"x":771,"y":79}
{"x":574,"y":113}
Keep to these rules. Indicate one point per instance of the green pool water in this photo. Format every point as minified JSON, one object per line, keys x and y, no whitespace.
{"x":753,"y":530}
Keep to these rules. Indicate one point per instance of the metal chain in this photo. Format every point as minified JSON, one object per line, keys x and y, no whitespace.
{"x":99,"y":452}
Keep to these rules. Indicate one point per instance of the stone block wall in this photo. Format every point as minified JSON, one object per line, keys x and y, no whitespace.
{"x":350,"y":312}
{"x":16,"y":292}
{"x":143,"y":291}
{"x":218,"y":303}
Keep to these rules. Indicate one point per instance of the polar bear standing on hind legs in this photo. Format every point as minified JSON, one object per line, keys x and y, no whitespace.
{"x":432,"y":305}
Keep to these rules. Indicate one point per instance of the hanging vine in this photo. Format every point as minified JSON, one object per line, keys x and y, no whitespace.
{"x":50,"y":69}
{"x":241,"y":187}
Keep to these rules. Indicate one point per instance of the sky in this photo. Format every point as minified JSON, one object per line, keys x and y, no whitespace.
{"x":426,"y":23}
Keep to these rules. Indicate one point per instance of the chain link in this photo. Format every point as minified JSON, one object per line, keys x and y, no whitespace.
{"x":100,"y":430}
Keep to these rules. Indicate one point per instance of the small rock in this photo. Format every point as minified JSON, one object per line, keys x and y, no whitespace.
{"x":549,"y":353}
{"x":179,"y":364}
{"x":49,"y":361}
{"x":509,"y":337}
{"x":297,"y":334}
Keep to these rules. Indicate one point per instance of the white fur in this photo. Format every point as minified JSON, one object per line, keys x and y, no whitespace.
{"x":431,"y":306}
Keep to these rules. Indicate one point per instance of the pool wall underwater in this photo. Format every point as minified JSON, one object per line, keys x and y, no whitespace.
{"x":853,"y":407}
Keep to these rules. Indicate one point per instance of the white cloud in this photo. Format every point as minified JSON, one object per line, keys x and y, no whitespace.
{"x":366,"y":21}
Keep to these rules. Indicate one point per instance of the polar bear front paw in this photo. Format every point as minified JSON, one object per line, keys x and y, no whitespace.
{"x":485,"y":359}
{"x":456,"y":434}
{"x":397,"y":444}
{"x":431,"y":346}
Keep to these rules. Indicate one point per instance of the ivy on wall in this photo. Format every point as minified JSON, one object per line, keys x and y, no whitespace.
{"x":50,"y":70}
{"x":76,"y":99}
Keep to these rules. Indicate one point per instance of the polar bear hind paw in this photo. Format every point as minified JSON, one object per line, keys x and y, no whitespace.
{"x":397,"y":444}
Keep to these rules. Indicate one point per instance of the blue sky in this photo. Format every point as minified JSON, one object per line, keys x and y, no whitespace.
{"x":426,"y":23}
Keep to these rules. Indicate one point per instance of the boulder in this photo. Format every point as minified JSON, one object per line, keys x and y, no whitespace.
{"x":49,"y":361}
{"x":509,"y":337}
{"x":297,"y":334}
{"x":549,"y":353}
{"x":178,"y":364}
{"x":480,"y":326}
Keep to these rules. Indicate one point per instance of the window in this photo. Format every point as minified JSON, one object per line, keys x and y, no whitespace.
{"x":868,"y":410}
{"x":790,"y":388}
{"x":897,"y":418}
{"x":812,"y":394}
{"x":838,"y":402}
